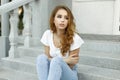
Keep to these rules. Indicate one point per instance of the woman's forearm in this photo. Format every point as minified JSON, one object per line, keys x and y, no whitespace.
{"x":68,"y":62}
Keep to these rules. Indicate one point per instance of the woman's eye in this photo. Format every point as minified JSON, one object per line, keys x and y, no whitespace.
{"x":66,"y":18}
{"x":59,"y":16}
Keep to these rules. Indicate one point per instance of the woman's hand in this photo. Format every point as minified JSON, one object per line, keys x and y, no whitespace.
{"x":72,"y":59}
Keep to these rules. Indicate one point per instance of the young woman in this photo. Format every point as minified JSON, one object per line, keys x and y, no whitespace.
{"x":62,"y":46}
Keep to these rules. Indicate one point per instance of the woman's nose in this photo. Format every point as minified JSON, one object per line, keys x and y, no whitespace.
{"x":62,"y":19}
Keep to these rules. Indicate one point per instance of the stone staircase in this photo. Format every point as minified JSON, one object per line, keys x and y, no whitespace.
{"x":99,"y":60}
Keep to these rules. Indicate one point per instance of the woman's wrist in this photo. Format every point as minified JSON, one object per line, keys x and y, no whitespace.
{"x":66,"y":60}
{"x":50,"y":58}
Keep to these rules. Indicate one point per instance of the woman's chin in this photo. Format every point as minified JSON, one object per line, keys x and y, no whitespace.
{"x":62,"y":28}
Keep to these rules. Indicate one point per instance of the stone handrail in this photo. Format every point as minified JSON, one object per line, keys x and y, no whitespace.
{"x":13,"y":5}
{"x":12,"y":8}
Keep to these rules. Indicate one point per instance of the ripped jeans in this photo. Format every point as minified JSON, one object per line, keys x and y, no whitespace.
{"x":55,"y":69}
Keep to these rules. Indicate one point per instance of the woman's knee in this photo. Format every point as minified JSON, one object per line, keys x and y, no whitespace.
{"x":42,"y":58}
{"x":57,"y":60}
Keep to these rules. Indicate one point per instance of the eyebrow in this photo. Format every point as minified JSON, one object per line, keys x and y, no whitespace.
{"x":60,"y":14}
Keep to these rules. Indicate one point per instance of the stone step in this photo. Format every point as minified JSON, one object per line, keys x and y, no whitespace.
{"x":33,"y":41}
{"x":94,"y":58}
{"x":10,"y":74}
{"x":101,"y":46}
{"x":85,"y":72}
{"x":25,"y":64}
{"x":115,"y":38}
{"x":3,"y":79}
{"x":100,"y":59}
{"x":31,"y":52}
{"x":96,"y":73}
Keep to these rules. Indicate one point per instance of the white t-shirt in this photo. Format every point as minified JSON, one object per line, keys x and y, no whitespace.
{"x":47,"y":39}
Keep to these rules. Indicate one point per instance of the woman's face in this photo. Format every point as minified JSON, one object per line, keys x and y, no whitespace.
{"x":61,"y":19}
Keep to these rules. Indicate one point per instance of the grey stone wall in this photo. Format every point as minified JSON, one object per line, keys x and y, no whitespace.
{"x":97,"y":16}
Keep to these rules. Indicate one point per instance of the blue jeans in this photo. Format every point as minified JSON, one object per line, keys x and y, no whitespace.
{"x":56,"y":69}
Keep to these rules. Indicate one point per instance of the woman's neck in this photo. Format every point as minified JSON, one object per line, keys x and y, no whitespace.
{"x":60,"y":33}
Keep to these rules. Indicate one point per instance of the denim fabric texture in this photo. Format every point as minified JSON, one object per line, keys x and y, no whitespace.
{"x":55,"y":69}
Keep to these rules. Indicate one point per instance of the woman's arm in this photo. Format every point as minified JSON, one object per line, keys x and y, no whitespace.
{"x":47,"y":50}
{"x":73,"y":57}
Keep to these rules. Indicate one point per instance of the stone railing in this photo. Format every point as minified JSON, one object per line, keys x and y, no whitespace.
{"x":11,"y":9}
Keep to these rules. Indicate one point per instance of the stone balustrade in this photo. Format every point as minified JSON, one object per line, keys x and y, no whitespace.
{"x":12,"y":9}
{"x":13,"y":5}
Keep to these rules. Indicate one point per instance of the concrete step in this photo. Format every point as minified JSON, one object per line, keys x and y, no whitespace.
{"x":94,"y":58}
{"x":101,"y":46}
{"x":115,"y":38}
{"x":3,"y":79}
{"x":10,"y":74}
{"x":100,"y":59}
{"x":85,"y":72}
{"x":31,"y":52}
{"x":96,"y":73}
{"x":33,"y":41}
{"x":25,"y":64}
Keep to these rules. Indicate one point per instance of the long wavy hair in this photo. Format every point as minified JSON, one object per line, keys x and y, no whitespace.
{"x":67,"y":38}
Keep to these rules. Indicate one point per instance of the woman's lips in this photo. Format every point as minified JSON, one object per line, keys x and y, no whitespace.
{"x":62,"y":25}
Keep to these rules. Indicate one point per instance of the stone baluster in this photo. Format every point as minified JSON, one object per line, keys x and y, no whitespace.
{"x":13,"y":33}
{"x":5,"y":31}
{"x":27,"y":25}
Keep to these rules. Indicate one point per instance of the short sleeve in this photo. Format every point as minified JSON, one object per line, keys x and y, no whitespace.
{"x":45,"y":38}
{"x":77,"y":42}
